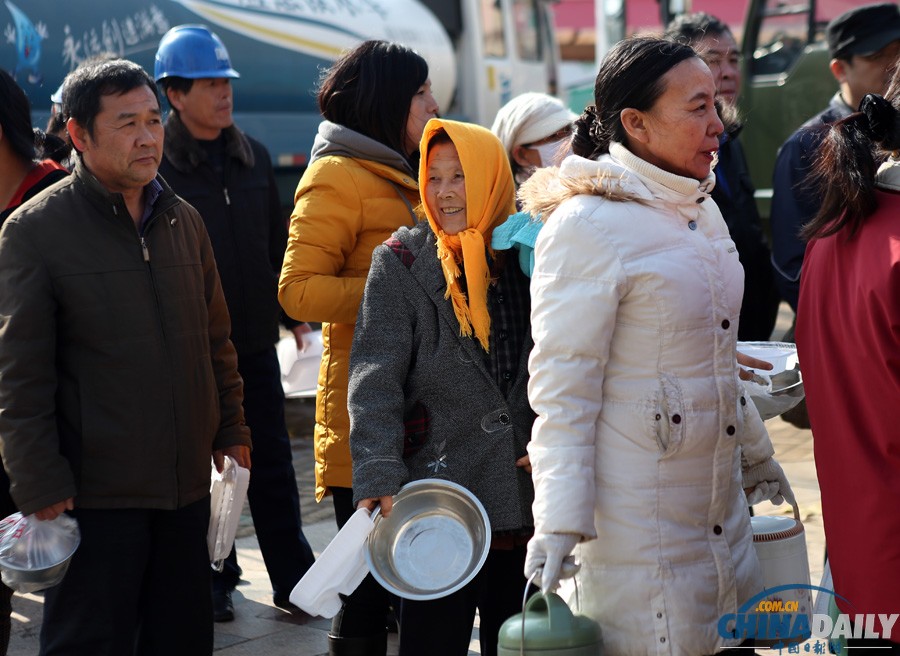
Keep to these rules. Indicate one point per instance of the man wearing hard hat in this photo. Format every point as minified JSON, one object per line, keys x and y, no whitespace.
{"x":228,"y":177}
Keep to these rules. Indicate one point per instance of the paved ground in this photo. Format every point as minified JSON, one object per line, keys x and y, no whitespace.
{"x":262,"y":629}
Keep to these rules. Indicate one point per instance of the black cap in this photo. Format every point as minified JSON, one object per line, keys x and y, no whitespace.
{"x":863,"y":30}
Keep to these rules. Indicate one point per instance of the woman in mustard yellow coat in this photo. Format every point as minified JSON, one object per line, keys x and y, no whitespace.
{"x":359,"y":188}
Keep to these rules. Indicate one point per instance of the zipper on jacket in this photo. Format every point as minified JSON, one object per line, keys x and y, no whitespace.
{"x":145,"y":249}
{"x":227,"y":199}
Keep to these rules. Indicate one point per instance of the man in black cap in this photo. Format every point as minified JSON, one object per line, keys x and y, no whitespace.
{"x":864,"y":44}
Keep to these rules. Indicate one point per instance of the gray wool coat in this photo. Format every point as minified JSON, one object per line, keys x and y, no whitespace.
{"x":407,"y":349}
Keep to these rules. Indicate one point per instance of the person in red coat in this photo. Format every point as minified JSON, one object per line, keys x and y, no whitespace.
{"x":848,"y":341}
{"x":21,"y":174}
{"x":21,"y":177}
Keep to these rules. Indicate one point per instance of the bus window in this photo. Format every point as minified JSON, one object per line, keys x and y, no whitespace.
{"x":526,"y":29}
{"x":783,"y":33}
{"x":492,"y":20}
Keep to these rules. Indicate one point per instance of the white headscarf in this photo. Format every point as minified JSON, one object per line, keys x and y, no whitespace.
{"x":530,"y":117}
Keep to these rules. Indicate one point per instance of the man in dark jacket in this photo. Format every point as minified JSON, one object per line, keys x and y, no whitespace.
{"x":733,"y":193}
{"x":228,"y":178}
{"x":119,"y":379}
{"x":864,"y":43}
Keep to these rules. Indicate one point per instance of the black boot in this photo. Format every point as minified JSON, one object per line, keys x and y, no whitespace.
{"x":223,"y":607}
{"x":369,"y":646}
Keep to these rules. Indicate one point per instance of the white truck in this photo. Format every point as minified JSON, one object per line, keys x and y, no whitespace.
{"x":480,"y":52}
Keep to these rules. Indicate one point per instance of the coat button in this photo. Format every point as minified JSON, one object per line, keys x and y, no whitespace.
{"x":730,"y":430}
{"x":692,"y":225}
{"x":717,"y":529}
{"x":500,"y":298}
{"x":743,"y":401}
{"x":659,"y":616}
{"x":663,"y":639}
{"x":701,"y":199}
{"x":658,"y":417}
{"x":726,"y":324}
{"x":504,"y":418}
{"x":507,"y":375}
{"x":676,"y":419}
{"x":504,"y":335}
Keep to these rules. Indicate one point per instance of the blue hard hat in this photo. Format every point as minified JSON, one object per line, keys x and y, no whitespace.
{"x":193,"y":52}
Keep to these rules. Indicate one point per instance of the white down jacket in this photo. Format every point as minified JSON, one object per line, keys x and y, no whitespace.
{"x":642,"y":425}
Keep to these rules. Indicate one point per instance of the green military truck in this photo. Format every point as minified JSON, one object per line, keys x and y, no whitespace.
{"x":786,"y":78}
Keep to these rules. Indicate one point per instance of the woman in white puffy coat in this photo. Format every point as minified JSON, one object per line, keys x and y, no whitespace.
{"x":644,"y":443}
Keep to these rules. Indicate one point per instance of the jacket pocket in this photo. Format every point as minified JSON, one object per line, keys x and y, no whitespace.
{"x":416,"y":422}
{"x":670,"y":416}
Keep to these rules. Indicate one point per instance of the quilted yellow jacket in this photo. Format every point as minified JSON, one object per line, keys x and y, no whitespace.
{"x":354,"y":195}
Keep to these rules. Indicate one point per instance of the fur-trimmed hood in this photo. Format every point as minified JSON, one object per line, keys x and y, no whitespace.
{"x":618,"y":176}
{"x":185,"y":154}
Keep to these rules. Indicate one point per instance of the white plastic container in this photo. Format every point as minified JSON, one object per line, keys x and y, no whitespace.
{"x":781,"y":355}
{"x":338,"y":570}
{"x":300,"y":371}
{"x":780,"y":544}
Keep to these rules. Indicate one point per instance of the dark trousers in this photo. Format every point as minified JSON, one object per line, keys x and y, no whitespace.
{"x":137,"y":584}
{"x":365,"y":612}
{"x":443,"y":627}
{"x":274,"y":500}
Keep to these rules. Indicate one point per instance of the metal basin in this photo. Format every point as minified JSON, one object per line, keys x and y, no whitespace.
{"x":776,"y":394}
{"x":35,"y":554}
{"x":32,"y":580}
{"x":435,"y":541}
{"x":788,"y":383}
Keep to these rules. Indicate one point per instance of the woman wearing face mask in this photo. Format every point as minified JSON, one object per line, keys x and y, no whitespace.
{"x":443,"y":337}
{"x":645,"y":450}
{"x":361,"y":185}
{"x":536,"y":131}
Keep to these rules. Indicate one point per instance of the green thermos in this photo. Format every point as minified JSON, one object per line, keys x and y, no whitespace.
{"x":547,"y":627}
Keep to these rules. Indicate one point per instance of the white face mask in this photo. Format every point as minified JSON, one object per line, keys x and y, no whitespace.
{"x":554,"y":152}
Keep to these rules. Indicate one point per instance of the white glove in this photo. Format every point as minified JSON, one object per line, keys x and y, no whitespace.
{"x":549,"y":556}
{"x":768,"y":482}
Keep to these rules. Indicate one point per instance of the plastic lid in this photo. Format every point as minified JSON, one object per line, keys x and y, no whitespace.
{"x":32,"y":544}
{"x":767,"y":528}
{"x":549,"y":625}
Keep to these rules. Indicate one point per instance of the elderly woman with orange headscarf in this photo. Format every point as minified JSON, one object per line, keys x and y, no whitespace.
{"x":438,"y":376}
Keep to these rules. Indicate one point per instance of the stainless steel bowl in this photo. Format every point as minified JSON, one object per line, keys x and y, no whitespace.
{"x":778,"y":394}
{"x":32,"y":580}
{"x":35,"y":554}
{"x":434,"y":542}
{"x":788,"y":383}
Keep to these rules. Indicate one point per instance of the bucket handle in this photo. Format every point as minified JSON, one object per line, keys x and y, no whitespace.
{"x":525,"y":600}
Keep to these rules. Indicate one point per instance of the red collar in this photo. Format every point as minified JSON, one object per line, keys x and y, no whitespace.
{"x":34,"y":176}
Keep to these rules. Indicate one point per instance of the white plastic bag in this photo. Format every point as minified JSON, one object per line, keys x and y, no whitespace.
{"x":825,"y":605}
{"x":339,"y":569}
{"x":34,"y":553}
{"x":820,"y":607}
{"x":227,"y":492}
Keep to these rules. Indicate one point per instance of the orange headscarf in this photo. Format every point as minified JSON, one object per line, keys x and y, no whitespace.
{"x":490,"y":199}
